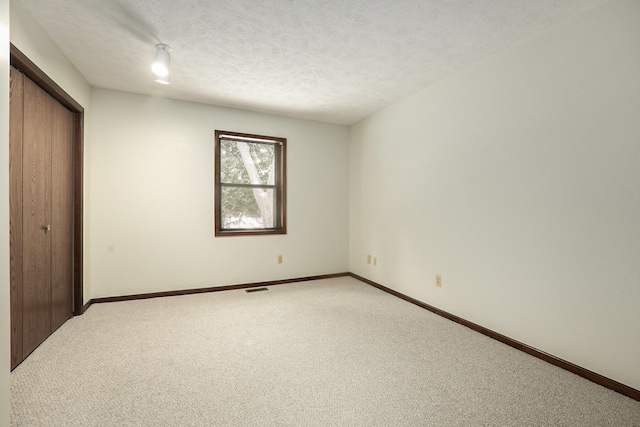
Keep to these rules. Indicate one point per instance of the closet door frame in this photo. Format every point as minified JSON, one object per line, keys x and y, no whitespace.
{"x":31,"y":70}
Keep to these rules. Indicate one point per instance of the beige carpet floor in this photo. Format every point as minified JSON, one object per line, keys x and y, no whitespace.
{"x":333,"y":352}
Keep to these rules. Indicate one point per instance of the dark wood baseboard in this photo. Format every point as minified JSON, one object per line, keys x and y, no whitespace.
{"x":86,"y":306}
{"x":211,"y":289}
{"x":578,"y":370}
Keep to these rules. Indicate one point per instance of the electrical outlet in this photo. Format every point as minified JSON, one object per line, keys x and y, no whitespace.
{"x":368,"y":259}
{"x":279,"y":259}
{"x":438,"y":280}
{"x":375,"y":261}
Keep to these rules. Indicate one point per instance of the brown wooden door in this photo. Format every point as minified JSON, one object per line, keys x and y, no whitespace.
{"x":41,"y":136}
{"x":36,"y":216}
{"x":16,"y":114}
{"x":61,"y":215}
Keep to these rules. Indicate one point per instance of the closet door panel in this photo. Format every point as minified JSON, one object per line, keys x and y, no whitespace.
{"x":36,"y":198}
{"x":15,"y":212}
{"x":61,"y":213}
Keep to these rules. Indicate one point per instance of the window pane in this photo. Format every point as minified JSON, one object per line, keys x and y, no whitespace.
{"x":251,"y":208}
{"x":232,"y":169}
{"x":246,"y":162}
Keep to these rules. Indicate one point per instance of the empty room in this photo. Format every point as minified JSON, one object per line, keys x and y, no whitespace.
{"x":320,"y":213}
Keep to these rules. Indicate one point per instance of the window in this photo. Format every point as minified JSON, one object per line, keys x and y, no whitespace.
{"x":249,"y":184}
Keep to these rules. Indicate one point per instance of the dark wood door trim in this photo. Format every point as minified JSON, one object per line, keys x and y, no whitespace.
{"x":20,"y":61}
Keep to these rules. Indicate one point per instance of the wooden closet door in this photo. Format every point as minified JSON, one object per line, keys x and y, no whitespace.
{"x":61,"y":214}
{"x":15,"y":208}
{"x":36,"y":199}
{"x":41,"y":209}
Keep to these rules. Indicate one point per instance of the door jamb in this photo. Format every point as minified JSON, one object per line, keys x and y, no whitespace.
{"x":20,"y":61}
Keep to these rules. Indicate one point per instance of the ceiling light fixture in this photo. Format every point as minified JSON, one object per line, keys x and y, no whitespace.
{"x":160,"y":66}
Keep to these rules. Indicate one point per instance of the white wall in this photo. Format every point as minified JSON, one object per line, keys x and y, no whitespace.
{"x":517,"y":180}
{"x":152,"y":198}
{"x":29,"y":36}
{"x":32,"y":40}
{"x":5,"y":343}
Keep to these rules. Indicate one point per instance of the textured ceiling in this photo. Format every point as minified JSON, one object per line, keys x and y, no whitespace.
{"x":333,"y":60}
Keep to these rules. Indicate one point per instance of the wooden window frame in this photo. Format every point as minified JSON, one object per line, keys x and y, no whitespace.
{"x":280,"y":185}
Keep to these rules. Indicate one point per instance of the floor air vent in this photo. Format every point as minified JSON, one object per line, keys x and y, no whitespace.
{"x":256,"y":290}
